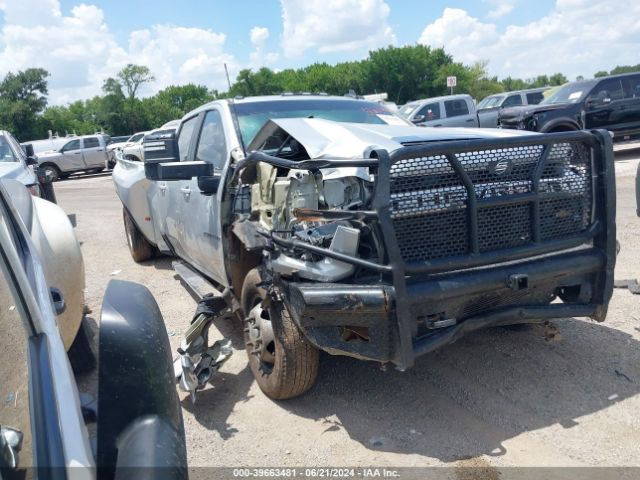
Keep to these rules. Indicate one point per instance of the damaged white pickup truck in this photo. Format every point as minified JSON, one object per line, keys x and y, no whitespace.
{"x":332,"y":224}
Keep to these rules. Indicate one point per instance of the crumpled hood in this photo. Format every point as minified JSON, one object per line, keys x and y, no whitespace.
{"x":519,"y":113}
{"x":17,"y":171}
{"x":328,"y":139}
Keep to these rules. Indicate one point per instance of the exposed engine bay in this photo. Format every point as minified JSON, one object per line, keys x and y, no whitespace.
{"x":310,"y":206}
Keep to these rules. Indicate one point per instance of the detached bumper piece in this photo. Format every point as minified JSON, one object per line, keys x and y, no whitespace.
{"x":477,"y":233}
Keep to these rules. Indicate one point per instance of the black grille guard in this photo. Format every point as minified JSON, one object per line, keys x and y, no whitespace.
{"x":601,"y":230}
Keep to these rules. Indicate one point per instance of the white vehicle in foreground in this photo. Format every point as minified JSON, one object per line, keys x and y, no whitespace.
{"x":139,"y":431}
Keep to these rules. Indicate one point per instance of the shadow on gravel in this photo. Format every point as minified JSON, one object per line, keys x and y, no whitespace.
{"x":216,"y":402}
{"x":471,"y":396}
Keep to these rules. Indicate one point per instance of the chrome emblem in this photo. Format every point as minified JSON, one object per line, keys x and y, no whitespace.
{"x":501,"y":166}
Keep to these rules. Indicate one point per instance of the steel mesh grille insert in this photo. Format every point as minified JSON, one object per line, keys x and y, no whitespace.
{"x":429,"y":203}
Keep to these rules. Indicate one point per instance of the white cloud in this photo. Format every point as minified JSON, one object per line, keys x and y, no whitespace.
{"x":259,"y":35}
{"x":260,"y":57}
{"x":578,"y":37}
{"x":80,"y":51}
{"x":501,"y":10}
{"x":178,"y":55}
{"x":334,"y":25}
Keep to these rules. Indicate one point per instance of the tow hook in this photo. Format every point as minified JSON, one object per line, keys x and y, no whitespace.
{"x":197,"y":362}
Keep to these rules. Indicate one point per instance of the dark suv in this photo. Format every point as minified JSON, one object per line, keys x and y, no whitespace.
{"x":612,"y":103}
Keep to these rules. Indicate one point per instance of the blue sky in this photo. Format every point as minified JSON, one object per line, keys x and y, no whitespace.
{"x":82,"y":42}
{"x":236,"y":18}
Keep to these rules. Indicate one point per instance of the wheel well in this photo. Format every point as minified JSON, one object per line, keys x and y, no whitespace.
{"x":562,"y":128}
{"x":240,"y":261}
{"x":49,"y":164}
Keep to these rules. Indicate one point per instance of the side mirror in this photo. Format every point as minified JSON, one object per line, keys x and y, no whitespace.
{"x":209,"y":184}
{"x":159,"y":147}
{"x":418,"y":119}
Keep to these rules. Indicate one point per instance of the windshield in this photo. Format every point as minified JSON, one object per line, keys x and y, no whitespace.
{"x":491,"y":102}
{"x":253,"y":115}
{"x":408,"y":109}
{"x":570,"y":93}
{"x":6,"y":154}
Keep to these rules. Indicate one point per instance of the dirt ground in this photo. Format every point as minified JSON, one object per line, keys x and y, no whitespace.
{"x":497,"y":398}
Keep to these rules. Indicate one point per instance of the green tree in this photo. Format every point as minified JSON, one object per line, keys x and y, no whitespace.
{"x":132,"y":77}
{"x":23,"y":96}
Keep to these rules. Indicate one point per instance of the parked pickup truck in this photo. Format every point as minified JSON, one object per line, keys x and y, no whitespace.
{"x":447,"y":111}
{"x":611,"y":103}
{"x":79,"y":154}
{"x":372,"y":238}
{"x":489,"y":107}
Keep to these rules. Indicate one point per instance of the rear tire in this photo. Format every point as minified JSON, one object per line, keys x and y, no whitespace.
{"x":50,"y":171}
{"x":287,"y":365}
{"x":81,"y":353}
{"x":139,"y":247}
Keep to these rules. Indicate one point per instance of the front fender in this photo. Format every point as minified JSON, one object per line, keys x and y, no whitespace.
{"x":560,"y":122}
{"x":135,"y":379}
{"x":56,"y":243}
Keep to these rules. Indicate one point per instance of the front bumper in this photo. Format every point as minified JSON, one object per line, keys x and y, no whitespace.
{"x":473,"y":299}
{"x":415,"y":306}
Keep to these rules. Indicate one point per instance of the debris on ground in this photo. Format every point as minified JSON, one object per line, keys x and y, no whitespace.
{"x":623,"y":375}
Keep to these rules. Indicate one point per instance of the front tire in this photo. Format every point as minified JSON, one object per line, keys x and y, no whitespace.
{"x":283,"y":362}
{"x":139,"y":247}
{"x":51,"y":172}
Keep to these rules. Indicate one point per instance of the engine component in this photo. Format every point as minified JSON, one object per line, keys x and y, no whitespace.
{"x":345,"y":240}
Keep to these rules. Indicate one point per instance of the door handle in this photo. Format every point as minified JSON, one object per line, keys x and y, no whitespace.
{"x":186,"y":190}
{"x":437,"y":125}
{"x":77,"y":153}
{"x":471,"y":120}
{"x":98,"y":150}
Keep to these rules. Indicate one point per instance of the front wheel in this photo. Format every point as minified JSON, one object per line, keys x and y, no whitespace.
{"x":283,"y":362}
{"x":50,"y":172}
{"x":139,"y":247}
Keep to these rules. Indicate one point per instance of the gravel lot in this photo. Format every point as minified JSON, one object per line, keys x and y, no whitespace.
{"x":500,"y":397}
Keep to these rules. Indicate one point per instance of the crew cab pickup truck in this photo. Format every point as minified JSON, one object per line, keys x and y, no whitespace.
{"x":79,"y":154}
{"x":611,"y":103}
{"x":331,"y":224}
{"x":489,"y":107}
{"x":447,"y":111}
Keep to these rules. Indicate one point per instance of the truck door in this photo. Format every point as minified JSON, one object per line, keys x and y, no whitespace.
{"x":459,"y":114}
{"x":171,"y":195}
{"x":94,"y":152}
{"x":201,"y":212}
{"x":71,"y":156}
{"x":631,"y":106}
{"x":605,"y":105}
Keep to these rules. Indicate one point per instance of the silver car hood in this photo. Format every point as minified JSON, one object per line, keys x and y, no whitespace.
{"x":17,"y":171}
{"x":328,"y":139}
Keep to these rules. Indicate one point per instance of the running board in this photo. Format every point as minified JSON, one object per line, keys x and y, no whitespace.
{"x":194,"y":282}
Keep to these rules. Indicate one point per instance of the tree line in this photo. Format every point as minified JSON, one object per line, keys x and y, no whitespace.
{"x":404,"y":73}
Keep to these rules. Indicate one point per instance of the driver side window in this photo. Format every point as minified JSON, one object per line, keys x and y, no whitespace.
{"x":431,"y":111}
{"x":212,"y":147}
{"x":608,"y":89}
{"x":184,"y":138}
{"x":70,"y":146}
